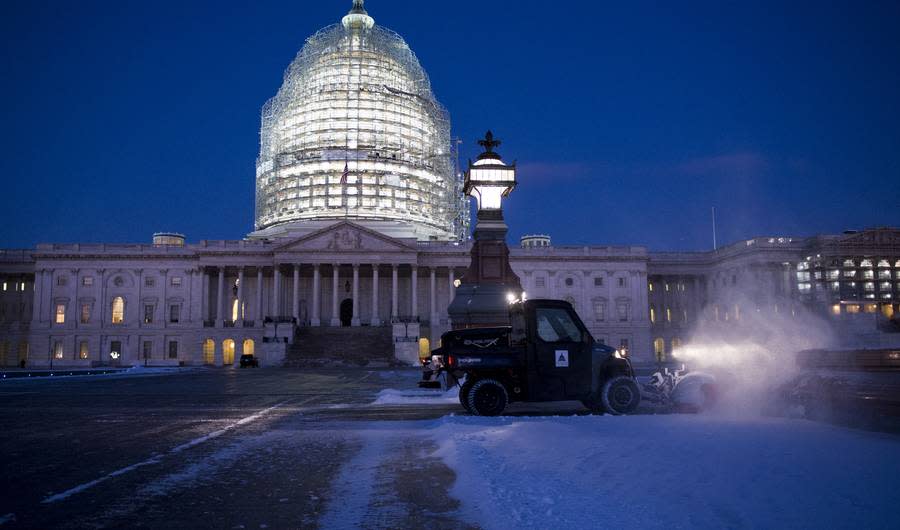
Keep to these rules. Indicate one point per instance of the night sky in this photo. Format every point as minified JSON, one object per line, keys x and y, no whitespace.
{"x":628,"y":121}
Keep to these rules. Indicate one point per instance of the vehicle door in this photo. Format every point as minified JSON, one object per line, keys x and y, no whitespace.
{"x":562,"y":359}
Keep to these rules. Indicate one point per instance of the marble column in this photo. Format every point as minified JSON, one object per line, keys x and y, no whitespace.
{"x":316,"y":319}
{"x":355,"y":320}
{"x":452,"y":294}
{"x":204,"y":298}
{"x":295,"y":299}
{"x":219,"y":299}
{"x":375,"y":320}
{"x":395,"y":297}
{"x":335,"y":310}
{"x":36,"y":299}
{"x":276,"y":293}
{"x":240,"y":298}
{"x":433,"y":316}
{"x":260,"y":314}
{"x":414,"y":292}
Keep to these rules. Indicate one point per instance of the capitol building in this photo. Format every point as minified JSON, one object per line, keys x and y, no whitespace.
{"x":361,"y":237}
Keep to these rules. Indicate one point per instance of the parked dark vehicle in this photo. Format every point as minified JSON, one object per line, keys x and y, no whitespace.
{"x":547,"y":354}
{"x":249,"y":360}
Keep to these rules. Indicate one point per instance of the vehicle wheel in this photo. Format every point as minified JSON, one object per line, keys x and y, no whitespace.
{"x":620,"y":395}
{"x":487,"y":397}
{"x":464,"y":391}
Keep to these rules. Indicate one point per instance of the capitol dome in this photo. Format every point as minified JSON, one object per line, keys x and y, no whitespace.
{"x":355,"y":133}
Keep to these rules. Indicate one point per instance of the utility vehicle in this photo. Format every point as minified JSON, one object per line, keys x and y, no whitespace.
{"x":546,"y":354}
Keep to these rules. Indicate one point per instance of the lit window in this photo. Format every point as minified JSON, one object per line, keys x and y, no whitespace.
{"x":248,"y":347}
{"x":209,"y":349}
{"x":87,"y":281}
{"x":804,"y":287}
{"x":4,"y":286}
{"x":884,"y":275}
{"x":887,"y":310}
{"x":667,"y":287}
{"x":659,"y":349}
{"x":652,"y":314}
{"x":115,"y":350}
{"x":868,"y":275}
{"x":852,"y":308}
{"x":836,"y":309}
{"x":60,"y":313}
{"x":885,"y":286}
{"x":834,"y":274}
{"x":850,"y":274}
{"x":884,"y":263}
{"x":650,"y":286}
{"x":118,"y":310}
{"x":676,"y":343}
{"x":176,"y":281}
{"x":58,"y":350}
{"x":849,"y":263}
{"x":23,"y":286}
{"x":869,"y":286}
{"x":83,"y":352}
{"x":803,"y":276}
{"x":871,"y":308}
{"x":668,"y":314}
{"x":865,"y":263}
{"x":85,"y":313}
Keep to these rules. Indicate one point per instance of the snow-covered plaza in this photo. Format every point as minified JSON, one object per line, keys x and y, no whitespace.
{"x":353,"y":448}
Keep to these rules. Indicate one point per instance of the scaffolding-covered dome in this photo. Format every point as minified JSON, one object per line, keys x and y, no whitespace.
{"x":355,"y":132}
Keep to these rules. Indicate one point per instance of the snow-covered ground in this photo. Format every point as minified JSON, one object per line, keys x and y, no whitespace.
{"x":674,"y":471}
{"x":670,"y":470}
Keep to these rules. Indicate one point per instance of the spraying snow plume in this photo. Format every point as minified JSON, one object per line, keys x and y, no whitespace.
{"x":753,"y":353}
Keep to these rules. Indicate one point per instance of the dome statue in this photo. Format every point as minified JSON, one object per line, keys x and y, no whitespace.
{"x":356,"y":133}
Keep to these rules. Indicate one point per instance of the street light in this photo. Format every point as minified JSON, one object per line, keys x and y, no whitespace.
{"x":489,"y":179}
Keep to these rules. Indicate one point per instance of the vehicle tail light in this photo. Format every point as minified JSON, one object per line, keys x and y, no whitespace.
{"x":451,"y":360}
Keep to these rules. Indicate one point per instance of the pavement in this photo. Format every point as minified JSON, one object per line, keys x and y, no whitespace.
{"x":220,"y":448}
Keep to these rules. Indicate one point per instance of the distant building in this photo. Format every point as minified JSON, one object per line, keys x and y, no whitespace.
{"x":361,"y":222}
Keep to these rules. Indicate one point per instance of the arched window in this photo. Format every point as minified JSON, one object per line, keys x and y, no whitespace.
{"x":659,"y":349}
{"x":248,"y":347}
{"x":652,"y":315}
{"x":209,"y":351}
{"x":676,"y":343}
{"x":228,"y":352}
{"x":118,"y":310}
{"x":424,"y":348}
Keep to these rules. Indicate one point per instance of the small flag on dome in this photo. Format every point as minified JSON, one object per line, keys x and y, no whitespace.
{"x":345,"y":173}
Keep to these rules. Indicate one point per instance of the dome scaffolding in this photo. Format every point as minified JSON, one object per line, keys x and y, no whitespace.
{"x":356,"y":133}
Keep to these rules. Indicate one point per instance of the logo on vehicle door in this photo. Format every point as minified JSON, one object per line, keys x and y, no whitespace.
{"x":562,"y":358}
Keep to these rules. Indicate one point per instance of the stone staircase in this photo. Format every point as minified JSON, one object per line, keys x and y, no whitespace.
{"x":341,"y":346}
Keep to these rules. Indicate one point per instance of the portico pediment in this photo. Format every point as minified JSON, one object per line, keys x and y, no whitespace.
{"x":346,"y":237}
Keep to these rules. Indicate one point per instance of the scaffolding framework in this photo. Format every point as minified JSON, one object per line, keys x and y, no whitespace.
{"x":355,"y":132}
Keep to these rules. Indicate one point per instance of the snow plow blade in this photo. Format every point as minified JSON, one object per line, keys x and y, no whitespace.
{"x":430,"y":384}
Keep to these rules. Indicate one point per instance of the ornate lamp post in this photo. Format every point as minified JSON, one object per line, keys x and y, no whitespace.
{"x":485,"y":291}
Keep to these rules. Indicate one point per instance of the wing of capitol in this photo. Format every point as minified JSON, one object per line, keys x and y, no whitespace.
{"x":361,"y":236}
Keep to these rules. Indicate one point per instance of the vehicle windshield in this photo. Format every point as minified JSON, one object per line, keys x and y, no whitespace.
{"x":556,"y":325}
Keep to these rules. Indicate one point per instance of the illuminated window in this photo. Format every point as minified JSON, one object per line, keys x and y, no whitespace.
{"x":228,"y":351}
{"x":58,"y":350}
{"x":849,"y":263}
{"x":83,"y":352}
{"x":4,"y":286}
{"x":804,"y":287}
{"x":803,"y":276}
{"x":60,"y":313}
{"x":235,"y":310}
{"x":850,"y":274}
{"x":887,"y":310}
{"x":836,"y":309}
{"x":209,"y":351}
{"x":652,"y":314}
{"x":871,"y":308}
{"x":668,"y":314}
{"x":650,"y":286}
{"x":834,"y":274}
{"x":884,"y":275}
{"x":115,"y":350}
{"x":118,"y":310}
{"x":865,"y":263}
{"x":852,"y":308}
{"x":659,"y":346}
{"x":869,"y":286}
{"x":85,"y":313}
{"x":676,"y":343}
{"x":884,"y":263}
{"x":868,"y":275}
{"x":667,"y":287}
{"x":249,"y":347}
{"x":885,"y":286}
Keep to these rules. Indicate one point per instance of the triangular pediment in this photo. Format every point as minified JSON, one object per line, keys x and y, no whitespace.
{"x":346,"y":236}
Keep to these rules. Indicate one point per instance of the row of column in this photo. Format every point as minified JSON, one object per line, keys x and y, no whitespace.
{"x":315,"y":317}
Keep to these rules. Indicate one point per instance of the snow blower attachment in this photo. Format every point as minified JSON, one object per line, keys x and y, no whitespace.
{"x":546,"y":354}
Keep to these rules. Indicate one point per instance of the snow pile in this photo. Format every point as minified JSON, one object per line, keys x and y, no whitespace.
{"x":390,"y":396}
{"x":754,"y":355}
{"x":668,"y":471}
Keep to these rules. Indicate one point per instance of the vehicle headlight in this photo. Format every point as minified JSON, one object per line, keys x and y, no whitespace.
{"x":436,"y":360}
{"x":621,"y":353}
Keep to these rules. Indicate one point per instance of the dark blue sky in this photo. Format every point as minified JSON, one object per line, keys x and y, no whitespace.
{"x":628,"y":122}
